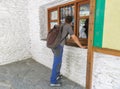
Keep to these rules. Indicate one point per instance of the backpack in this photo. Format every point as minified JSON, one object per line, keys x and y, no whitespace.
{"x":54,"y":36}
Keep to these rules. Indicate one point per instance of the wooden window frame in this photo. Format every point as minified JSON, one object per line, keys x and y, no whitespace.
{"x":81,"y":17}
{"x":84,"y":41}
{"x":75,"y":3}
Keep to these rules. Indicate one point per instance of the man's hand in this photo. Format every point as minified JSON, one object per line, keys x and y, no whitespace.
{"x":76,"y":40}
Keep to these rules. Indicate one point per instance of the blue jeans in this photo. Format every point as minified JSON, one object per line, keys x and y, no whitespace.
{"x":56,"y":64}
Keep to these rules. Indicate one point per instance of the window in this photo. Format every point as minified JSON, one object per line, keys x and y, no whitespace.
{"x":80,"y":11}
{"x":83,"y":21}
{"x":84,"y":11}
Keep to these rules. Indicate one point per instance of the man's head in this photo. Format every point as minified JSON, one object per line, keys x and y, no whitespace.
{"x":68,"y":19}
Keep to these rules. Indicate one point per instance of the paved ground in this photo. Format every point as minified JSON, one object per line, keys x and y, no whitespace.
{"x":29,"y":74}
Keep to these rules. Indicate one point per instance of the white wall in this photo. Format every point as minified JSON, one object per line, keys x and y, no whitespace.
{"x":106,"y":72}
{"x":14,"y":31}
{"x":106,"y":68}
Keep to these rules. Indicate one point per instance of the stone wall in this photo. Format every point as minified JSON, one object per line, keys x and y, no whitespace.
{"x":14,"y":31}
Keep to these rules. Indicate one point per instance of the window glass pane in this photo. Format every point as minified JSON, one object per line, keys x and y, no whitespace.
{"x":83,"y":28}
{"x":84,"y":10}
{"x":52,"y":24}
{"x":54,"y":15}
{"x":66,"y":11}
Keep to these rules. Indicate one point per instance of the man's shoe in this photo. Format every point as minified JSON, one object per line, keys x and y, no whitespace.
{"x":59,"y":77}
{"x":55,"y":85}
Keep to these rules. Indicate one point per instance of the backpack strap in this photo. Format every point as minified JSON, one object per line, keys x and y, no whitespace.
{"x":64,"y":37}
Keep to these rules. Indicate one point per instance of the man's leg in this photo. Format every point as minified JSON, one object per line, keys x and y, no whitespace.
{"x":56,"y":66}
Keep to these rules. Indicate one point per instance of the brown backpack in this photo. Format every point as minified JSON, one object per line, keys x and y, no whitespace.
{"x":54,"y":36}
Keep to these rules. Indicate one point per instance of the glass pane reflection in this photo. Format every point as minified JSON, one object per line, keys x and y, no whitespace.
{"x":52,"y":24}
{"x":67,"y":11}
{"x":54,"y":15}
{"x":84,"y":10}
{"x":83,"y":28}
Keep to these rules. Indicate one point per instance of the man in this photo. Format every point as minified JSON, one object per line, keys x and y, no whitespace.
{"x":67,"y":29}
{"x":86,"y":27}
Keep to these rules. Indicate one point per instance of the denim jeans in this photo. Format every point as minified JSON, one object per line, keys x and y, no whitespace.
{"x":56,"y":64}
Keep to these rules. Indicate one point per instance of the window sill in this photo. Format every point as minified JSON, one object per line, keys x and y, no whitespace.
{"x":70,"y":42}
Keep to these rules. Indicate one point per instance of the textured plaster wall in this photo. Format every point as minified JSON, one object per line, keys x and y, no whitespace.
{"x":14,"y":31}
{"x":106,"y":69}
{"x":106,"y":72}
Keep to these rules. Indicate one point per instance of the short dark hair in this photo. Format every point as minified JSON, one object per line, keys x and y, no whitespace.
{"x":68,"y":19}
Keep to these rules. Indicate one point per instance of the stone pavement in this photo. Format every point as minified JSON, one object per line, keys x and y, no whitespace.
{"x":29,"y":74}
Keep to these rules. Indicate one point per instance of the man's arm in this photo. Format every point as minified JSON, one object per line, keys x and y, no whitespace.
{"x":76,"y":40}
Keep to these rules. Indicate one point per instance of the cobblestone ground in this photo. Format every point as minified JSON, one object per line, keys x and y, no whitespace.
{"x":29,"y":74}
